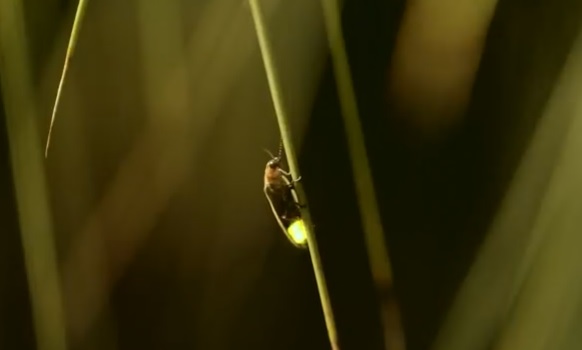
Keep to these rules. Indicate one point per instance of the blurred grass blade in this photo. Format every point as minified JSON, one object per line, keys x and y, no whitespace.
{"x":372,"y":224}
{"x":70,"y":50}
{"x":360,"y":167}
{"x":286,"y":136}
{"x":29,"y":180}
{"x":494,"y":298}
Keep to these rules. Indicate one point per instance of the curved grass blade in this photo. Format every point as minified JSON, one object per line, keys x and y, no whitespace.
{"x":70,"y":50}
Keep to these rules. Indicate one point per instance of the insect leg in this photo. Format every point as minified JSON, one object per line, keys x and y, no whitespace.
{"x":302,"y":206}
{"x":291,"y":184}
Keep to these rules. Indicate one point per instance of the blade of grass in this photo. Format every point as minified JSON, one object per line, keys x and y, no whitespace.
{"x":366,"y":195}
{"x":70,"y":50}
{"x":289,"y":148}
{"x":29,"y":181}
{"x":486,"y":303}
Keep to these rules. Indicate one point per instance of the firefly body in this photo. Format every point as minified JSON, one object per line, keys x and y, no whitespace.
{"x":280,"y":192}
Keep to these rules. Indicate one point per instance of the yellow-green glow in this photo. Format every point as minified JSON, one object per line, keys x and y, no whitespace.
{"x":297,"y":232}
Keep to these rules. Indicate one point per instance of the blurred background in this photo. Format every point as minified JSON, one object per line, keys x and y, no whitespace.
{"x":147,"y":227}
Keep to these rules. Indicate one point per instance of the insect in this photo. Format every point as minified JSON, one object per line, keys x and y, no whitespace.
{"x":279,"y":188}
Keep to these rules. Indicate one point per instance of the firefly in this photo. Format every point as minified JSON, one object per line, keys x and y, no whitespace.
{"x":279,"y":188}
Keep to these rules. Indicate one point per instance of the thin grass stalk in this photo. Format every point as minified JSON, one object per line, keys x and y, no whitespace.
{"x":360,"y":166}
{"x":70,"y":50}
{"x":365,"y":192}
{"x":286,"y":137}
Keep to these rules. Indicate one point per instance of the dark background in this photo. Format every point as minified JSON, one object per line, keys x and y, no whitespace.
{"x":437,"y":198}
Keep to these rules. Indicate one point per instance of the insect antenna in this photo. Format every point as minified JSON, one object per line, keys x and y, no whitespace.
{"x":269,"y":153}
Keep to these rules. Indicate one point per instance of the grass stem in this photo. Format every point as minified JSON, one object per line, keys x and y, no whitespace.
{"x":289,"y":148}
{"x":70,"y":50}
